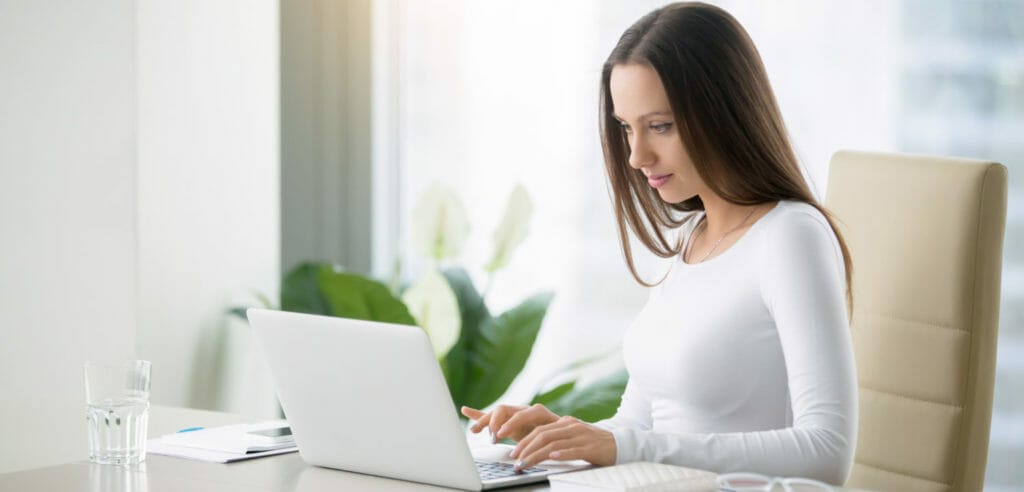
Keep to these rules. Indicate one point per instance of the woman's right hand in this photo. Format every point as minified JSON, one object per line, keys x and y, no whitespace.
{"x":512,"y":421}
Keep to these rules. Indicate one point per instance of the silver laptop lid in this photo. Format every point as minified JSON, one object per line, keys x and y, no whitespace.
{"x":366,"y":397}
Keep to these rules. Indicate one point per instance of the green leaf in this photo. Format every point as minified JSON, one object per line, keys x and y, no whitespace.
{"x":264,"y":302}
{"x":554,"y":394}
{"x":239,"y":312}
{"x":565,"y":371}
{"x":357,"y":297}
{"x":433,"y":304}
{"x":592,"y":403}
{"x":501,"y":349}
{"x":300,"y":290}
{"x":473,"y":312}
{"x":513,"y":228}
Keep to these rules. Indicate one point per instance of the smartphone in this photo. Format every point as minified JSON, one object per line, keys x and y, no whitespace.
{"x":273,"y":435}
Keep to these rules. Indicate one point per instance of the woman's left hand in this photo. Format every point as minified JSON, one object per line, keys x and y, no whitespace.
{"x":568,"y":438}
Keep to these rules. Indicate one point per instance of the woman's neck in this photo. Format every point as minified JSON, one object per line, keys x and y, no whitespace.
{"x":721,"y":216}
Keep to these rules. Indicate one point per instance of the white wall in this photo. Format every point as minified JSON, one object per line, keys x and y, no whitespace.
{"x":207,"y":194}
{"x":67,"y":193}
{"x":138,"y":194}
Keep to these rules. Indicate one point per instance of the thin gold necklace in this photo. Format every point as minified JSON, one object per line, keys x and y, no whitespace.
{"x":713,"y":248}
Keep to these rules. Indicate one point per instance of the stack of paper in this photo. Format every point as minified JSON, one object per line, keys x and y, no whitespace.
{"x":636,"y":477}
{"x":220,"y":444}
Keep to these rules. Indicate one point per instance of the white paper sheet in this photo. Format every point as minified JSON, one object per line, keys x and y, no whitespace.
{"x":229,"y":438}
{"x":220,"y":444}
{"x":156,"y":446}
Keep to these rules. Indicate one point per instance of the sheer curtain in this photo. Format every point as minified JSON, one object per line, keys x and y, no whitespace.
{"x":490,"y":94}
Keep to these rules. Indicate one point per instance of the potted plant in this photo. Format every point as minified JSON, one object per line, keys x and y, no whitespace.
{"x":480,"y":353}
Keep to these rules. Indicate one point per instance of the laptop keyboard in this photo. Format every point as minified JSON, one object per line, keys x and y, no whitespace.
{"x":490,"y":470}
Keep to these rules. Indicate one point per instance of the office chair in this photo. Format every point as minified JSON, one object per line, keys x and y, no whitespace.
{"x":926,"y":238}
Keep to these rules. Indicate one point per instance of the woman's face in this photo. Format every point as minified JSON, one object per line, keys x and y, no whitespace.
{"x":642,"y":107}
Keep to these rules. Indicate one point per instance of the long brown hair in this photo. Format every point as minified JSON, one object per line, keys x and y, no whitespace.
{"x":728,"y":120}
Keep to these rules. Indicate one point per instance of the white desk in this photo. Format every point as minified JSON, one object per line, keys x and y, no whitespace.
{"x":47,"y":450}
{"x":40,"y":434}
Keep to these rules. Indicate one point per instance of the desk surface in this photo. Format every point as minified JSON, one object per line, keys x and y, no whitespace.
{"x":26,"y":468}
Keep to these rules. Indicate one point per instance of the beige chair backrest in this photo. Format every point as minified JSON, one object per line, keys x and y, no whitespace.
{"x":926,"y":237}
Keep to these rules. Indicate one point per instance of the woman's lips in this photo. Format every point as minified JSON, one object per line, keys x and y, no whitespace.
{"x":658,"y":181}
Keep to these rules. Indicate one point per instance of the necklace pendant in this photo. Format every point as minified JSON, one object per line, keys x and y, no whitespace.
{"x":715,"y":246}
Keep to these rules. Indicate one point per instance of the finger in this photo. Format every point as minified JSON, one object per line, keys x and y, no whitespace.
{"x":517,"y":423}
{"x":525,"y":441}
{"x":543,"y":439}
{"x":597,"y":447}
{"x":544,"y":452}
{"x":516,"y":427}
{"x":499,"y":416}
{"x":522,"y":422}
{"x":481,"y":424}
{"x":575,"y":452}
{"x":472,"y":413}
{"x":561,"y":430}
{"x":530,"y":437}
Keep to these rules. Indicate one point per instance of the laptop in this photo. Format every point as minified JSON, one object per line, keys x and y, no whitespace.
{"x":369,"y":397}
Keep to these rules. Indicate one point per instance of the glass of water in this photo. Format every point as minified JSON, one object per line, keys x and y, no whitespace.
{"x":117,"y":411}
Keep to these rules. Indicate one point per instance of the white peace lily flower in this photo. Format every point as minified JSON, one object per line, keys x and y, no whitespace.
{"x":439,"y":223}
{"x":432,"y":302}
{"x":513,"y":228}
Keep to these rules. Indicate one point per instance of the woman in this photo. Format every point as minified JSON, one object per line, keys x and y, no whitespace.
{"x":741,"y":359}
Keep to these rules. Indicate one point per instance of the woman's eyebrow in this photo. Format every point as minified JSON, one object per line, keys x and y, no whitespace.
{"x":646,"y":115}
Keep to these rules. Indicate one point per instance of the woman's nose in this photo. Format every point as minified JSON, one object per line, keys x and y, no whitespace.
{"x":640,"y":154}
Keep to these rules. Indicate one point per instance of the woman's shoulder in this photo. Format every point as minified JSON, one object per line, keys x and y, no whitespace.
{"x":796,"y":225}
{"x":789,"y":214}
{"x":799,"y":244}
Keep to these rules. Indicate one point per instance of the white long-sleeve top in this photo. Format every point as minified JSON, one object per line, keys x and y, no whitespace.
{"x":744,"y":362}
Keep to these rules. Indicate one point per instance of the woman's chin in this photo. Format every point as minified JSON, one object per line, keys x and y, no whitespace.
{"x":674,"y":196}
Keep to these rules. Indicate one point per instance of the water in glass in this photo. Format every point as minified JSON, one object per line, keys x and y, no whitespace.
{"x":117,"y":430}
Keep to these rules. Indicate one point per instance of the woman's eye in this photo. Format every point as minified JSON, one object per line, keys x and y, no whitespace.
{"x":661,"y":127}
{"x":626,"y":128}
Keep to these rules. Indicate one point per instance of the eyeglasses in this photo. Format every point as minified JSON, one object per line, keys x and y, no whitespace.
{"x":755,"y":482}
